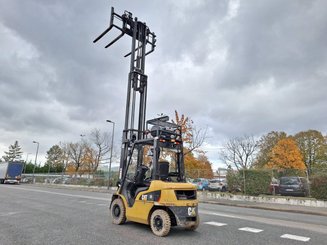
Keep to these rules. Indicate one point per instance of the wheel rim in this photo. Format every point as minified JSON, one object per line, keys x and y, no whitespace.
{"x":116,"y":210}
{"x":158,"y":222}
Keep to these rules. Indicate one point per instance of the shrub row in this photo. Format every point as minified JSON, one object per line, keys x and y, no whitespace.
{"x":250,"y":181}
{"x":319,"y":186}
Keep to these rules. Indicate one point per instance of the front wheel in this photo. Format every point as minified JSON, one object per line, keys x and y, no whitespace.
{"x":118,"y":212}
{"x":160,"y":222}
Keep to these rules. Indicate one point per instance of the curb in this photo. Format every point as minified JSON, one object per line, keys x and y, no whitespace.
{"x":265,"y":208}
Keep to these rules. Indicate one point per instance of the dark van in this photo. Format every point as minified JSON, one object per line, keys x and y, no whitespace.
{"x":293,"y":186}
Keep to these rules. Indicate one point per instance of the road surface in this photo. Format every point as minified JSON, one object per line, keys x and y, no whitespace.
{"x":40,"y":215}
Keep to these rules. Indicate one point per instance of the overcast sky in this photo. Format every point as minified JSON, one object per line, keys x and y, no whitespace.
{"x":235,"y":67}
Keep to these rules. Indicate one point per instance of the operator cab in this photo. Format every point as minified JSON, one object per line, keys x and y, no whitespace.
{"x":159,"y":156}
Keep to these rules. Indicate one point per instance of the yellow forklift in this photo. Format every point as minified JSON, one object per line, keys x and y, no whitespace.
{"x":152,"y":188}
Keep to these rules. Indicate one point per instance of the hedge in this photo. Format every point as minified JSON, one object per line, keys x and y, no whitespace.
{"x":256,"y":181}
{"x":319,"y":186}
{"x":234,"y":181}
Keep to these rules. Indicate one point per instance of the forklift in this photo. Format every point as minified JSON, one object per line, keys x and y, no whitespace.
{"x":152,"y":187}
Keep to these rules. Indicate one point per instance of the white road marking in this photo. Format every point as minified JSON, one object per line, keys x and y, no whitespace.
{"x":215,"y":223}
{"x":62,"y":194}
{"x":294,"y":237}
{"x":102,"y":205}
{"x":249,"y":229}
{"x":8,"y":214}
{"x":219,"y":214}
{"x":272,"y":221}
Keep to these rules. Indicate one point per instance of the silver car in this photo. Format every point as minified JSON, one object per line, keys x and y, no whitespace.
{"x":217,"y":185}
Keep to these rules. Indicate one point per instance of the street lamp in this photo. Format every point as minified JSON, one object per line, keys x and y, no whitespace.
{"x":112,"y":144}
{"x":37,"y":151}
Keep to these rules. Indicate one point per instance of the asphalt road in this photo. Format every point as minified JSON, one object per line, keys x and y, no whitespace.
{"x":37,"y":215}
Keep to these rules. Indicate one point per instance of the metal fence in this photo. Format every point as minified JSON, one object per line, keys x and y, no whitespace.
{"x":251,"y":182}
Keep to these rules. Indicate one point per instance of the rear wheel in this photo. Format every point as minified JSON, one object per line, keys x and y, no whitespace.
{"x":160,"y":222}
{"x":118,"y":212}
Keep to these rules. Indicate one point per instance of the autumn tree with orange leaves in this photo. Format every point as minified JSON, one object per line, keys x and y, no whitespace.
{"x":286,"y":155}
{"x":193,"y":138}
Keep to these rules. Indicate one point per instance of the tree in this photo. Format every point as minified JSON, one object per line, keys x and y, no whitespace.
{"x":312,"y":145}
{"x":191,"y":166}
{"x":286,"y":155}
{"x":205,"y":165}
{"x":75,"y":154}
{"x":240,"y":152}
{"x":99,"y":150}
{"x":193,"y":138}
{"x":14,"y":153}
{"x":65,"y":156}
{"x":55,"y":159}
{"x":266,"y":143}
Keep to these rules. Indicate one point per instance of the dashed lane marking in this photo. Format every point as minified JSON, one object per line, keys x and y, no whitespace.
{"x":271,"y":221}
{"x":102,"y":204}
{"x":218,"y":214}
{"x":8,"y":214}
{"x":215,"y":223}
{"x":249,"y":229}
{"x":63,"y":194}
{"x":294,"y":237}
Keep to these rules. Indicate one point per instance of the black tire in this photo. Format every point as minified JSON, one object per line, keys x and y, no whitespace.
{"x":223,"y":189}
{"x":195,"y":225}
{"x":160,"y":223}
{"x":118,"y":212}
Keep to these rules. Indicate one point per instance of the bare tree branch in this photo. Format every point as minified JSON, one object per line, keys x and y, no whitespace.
{"x":240,"y":152}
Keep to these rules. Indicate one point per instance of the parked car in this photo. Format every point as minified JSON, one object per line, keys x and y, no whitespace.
{"x":217,"y":185}
{"x":201,"y":183}
{"x":293,"y":186}
{"x":27,"y":180}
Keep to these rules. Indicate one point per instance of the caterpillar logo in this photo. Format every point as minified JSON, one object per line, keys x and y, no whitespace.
{"x":191,"y":211}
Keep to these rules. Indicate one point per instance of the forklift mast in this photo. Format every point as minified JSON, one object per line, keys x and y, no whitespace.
{"x":143,"y":43}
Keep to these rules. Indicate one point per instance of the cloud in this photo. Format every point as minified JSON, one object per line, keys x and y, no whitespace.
{"x":235,"y":67}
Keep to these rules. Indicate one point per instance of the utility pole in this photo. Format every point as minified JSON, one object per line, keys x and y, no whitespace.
{"x":112,"y":145}
{"x":37,"y":151}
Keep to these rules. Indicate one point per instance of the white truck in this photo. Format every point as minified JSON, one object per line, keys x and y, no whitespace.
{"x":11,"y":172}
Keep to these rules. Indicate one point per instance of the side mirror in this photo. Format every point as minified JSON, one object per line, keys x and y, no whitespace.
{"x":118,"y":184}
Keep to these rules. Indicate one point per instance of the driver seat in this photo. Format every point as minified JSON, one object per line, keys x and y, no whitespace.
{"x":163,"y":170}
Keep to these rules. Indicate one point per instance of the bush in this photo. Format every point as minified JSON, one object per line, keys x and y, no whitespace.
{"x":234,"y":181}
{"x":319,"y":186}
{"x":257,"y":181}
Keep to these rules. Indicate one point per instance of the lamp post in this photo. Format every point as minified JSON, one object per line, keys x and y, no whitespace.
{"x":112,"y":144}
{"x":37,"y":151}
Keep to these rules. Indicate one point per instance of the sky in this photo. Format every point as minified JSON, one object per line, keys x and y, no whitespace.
{"x":235,"y":67}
